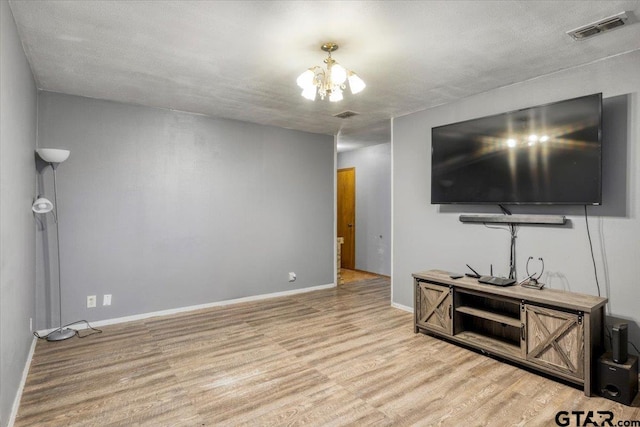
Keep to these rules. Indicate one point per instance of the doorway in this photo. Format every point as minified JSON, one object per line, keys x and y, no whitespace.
{"x":346,"y":207}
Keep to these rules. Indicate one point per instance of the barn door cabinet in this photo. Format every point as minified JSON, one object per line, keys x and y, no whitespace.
{"x":555,"y":340}
{"x":556,"y":332}
{"x":433,"y":307}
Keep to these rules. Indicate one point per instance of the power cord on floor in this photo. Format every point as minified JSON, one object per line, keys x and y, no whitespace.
{"x":95,"y":330}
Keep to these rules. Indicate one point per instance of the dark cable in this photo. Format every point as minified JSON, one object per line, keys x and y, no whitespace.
{"x":512,"y":261}
{"x":512,"y":229}
{"x":96,"y":330}
{"x":512,"y":246}
{"x":511,"y":251}
{"x":496,"y":228}
{"x":504,"y":210}
{"x":595,"y":272}
{"x":593,"y":258}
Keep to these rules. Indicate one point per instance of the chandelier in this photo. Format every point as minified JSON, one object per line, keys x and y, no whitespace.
{"x":331,"y":82}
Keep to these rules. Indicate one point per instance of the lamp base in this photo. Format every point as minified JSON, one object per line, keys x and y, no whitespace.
{"x":61,"y":334}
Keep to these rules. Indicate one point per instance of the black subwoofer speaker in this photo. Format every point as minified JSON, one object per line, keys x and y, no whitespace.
{"x":619,"y":344}
{"x":618,"y":381}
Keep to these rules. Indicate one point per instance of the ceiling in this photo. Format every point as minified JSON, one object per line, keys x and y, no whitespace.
{"x":240,"y":59}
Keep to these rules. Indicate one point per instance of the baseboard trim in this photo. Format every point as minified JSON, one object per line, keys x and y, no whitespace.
{"x":23,"y":380}
{"x":402,"y":307}
{"x":171,"y":311}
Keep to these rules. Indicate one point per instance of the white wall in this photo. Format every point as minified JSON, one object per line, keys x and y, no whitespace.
{"x":165,"y":210}
{"x":430,"y":236}
{"x":373,"y":206}
{"x":17,"y":226}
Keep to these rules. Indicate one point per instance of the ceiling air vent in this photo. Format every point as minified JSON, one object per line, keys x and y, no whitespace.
{"x":345,"y":114}
{"x":600,"y":26}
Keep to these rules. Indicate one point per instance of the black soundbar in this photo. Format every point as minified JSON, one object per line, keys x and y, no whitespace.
{"x":515,"y":219}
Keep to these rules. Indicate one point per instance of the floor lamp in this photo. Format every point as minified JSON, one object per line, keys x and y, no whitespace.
{"x":42,"y":206}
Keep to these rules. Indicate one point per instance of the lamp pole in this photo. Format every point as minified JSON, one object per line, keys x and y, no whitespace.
{"x":59,"y":334}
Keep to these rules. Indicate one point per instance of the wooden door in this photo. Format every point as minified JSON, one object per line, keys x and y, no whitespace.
{"x":347,"y":216}
{"x":555,"y":340}
{"x":433,"y":304}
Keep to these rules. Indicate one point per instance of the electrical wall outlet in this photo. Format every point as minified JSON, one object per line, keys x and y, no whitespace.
{"x":91,"y":301}
{"x":292,"y":276}
{"x":106,"y":299}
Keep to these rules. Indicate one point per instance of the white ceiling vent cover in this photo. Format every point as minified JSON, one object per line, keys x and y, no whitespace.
{"x":600,"y":26}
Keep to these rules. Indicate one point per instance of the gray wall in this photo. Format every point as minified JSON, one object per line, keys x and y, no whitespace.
{"x":373,"y":206}
{"x":17,"y":230}
{"x":164,"y":209}
{"x":430,"y":236}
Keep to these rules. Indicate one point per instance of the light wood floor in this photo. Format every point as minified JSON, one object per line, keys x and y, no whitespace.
{"x":331,"y":357}
{"x":350,"y":276}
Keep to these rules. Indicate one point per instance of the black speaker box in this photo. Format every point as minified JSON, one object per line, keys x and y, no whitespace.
{"x":618,"y":381}
{"x":619,"y":344}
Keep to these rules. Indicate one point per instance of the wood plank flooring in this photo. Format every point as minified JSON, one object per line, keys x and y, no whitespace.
{"x":338,"y":356}
{"x":350,"y":276}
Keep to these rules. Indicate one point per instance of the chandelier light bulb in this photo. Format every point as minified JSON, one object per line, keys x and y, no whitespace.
{"x":305,"y":79}
{"x":338,"y":74}
{"x":309,"y":93}
{"x":336,"y":95}
{"x":355,"y":83}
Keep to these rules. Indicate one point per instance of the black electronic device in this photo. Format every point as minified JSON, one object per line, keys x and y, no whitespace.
{"x":616,"y":381}
{"x":619,"y":343}
{"x":548,"y":154}
{"x":475,"y":274}
{"x":496,"y":281}
{"x":456,"y":276}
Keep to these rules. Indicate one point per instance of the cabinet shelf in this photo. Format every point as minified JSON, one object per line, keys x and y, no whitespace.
{"x":496,"y":317}
{"x":489,"y":343}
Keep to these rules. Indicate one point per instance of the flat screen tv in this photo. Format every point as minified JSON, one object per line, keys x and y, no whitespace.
{"x":549,"y":154}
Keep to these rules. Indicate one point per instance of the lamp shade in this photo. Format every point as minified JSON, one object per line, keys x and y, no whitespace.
{"x":355,"y":83}
{"x":338,"y":74}
{"x":336,"y":95}
{"x":42,"y":205}
{"x":53,"y":155}
{"x":305,"y":79}
{"x":309,"y":93}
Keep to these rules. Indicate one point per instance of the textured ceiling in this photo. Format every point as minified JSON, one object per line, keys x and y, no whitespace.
{"x":240,"y":59}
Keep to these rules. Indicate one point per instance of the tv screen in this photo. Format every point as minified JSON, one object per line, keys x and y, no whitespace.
{"x":549,"y":154}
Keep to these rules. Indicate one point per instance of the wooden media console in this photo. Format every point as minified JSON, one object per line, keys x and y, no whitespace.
{"x":556,"y":332}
